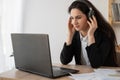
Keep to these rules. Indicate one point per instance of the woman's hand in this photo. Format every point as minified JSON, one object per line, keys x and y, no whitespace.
{"x":71,"y":31}
{"x":93,"y":26}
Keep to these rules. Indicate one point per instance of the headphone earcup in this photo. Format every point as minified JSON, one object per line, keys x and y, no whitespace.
{"x":91,"y":12}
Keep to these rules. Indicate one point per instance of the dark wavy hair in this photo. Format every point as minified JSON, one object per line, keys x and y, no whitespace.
{"x":103,"y":25}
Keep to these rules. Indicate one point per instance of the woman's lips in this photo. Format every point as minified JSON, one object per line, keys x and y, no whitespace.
{"x":76,"y":26}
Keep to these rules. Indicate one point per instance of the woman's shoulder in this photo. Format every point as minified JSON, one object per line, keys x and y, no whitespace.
{"x":101,"y":36}
{"x":76,"y":36}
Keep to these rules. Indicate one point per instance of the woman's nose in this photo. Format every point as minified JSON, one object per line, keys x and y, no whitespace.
{"x":75,"y":22}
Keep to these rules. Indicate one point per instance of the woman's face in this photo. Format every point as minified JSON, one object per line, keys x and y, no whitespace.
{"x":78,"y":20}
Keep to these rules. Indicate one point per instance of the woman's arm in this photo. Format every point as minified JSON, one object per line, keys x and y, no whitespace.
{"x":98,"y":53}
{"x":66,"y":54}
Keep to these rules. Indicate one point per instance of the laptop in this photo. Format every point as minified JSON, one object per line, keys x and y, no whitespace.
{"x":32,"y":54}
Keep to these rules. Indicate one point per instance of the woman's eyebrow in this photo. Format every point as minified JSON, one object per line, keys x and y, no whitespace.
{"x":76,"y":16}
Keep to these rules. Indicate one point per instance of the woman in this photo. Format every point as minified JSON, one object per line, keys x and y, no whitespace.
{"x":91,"y":39}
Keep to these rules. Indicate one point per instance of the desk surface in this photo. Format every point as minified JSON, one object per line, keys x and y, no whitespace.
{"x":20,"y":75}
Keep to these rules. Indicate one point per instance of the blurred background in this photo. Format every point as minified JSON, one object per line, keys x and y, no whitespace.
{"x":38,"y":16}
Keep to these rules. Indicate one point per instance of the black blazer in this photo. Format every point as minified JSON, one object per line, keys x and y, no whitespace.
{"x":99,"y":53}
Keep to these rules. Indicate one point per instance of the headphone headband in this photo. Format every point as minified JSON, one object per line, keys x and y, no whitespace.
{"x":91,"y":12}
{"x":85,"y":2}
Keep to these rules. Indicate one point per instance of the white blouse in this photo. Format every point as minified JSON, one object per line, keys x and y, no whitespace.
{"x":84,"y":56}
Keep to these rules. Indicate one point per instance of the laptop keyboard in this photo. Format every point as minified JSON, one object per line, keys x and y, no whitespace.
{"x":57,"y":71}
{"x":62,"y":71}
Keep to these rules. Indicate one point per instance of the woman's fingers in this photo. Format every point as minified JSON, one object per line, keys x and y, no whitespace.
{"x":70,"y":26}
{"x":92,"y":22}
{"x":95,"y":21}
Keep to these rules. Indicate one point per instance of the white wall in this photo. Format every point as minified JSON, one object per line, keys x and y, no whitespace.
{"x":102,"y":6}
{"x":2,"y":57}
{"x":11,"y":11}
{"x":0,"y":7}
{"x":50,"y":16}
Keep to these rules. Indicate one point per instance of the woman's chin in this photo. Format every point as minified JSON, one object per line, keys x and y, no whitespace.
{"x":77,"y":29}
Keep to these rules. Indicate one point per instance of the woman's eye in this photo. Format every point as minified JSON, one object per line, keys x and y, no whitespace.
{"x":71,"y":18}
{"x":78,"y":17}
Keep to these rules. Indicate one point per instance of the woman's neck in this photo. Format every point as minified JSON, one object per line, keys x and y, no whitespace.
{"x":84,"y":31}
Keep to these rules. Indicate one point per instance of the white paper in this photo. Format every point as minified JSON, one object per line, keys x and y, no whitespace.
{"x":98,"y":74}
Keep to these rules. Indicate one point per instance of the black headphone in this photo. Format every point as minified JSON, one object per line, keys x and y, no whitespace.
{"x":91,"y":11}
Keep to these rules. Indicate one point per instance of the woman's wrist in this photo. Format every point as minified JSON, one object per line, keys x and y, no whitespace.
{"x":69,"y":39}
{"x":91,"y":40}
